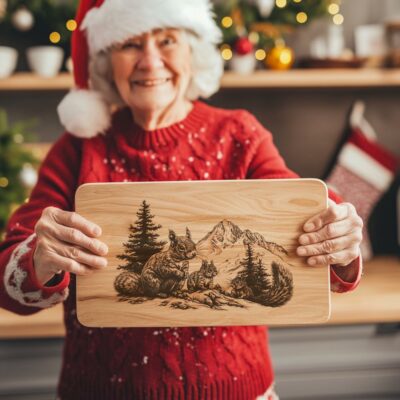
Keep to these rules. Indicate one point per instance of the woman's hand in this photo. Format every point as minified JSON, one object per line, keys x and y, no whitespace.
{"x":333,"y":237}
{"x":65,"y":242}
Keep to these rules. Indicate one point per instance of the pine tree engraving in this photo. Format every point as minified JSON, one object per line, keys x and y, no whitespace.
{"x":255,"y":274}
{"x":281,"y":289}
{"x":142,"y":242}
{"x":262,"y":279}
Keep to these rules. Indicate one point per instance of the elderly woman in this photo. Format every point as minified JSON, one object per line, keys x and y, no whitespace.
{"x":146,"y":64}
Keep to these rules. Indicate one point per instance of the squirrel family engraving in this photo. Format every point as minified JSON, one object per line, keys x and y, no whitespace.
{"x":165,"y":273}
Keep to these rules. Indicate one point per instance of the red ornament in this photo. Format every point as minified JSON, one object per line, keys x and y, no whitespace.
{"x":243,"y":46}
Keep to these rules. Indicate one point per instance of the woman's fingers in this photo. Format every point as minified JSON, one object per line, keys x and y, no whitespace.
{"x":72,"y":228}
{"x":343,"y":257}
{"x":333,"y":236}
{"x":76,"y":237}
{"x":335,"y":212}
{"x":330,"y":246}
{"x":74,"y":220}
{"x":66,"y":241}
{"x":330,"y":231}
{"x":70,"y":265}
{"x":82,"y":257}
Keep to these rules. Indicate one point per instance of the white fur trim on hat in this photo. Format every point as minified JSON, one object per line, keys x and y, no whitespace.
{"x":84,"y":113}
{"x":117,"y":20}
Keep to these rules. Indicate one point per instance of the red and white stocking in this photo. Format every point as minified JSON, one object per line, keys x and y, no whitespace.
{"x":363,"y":172}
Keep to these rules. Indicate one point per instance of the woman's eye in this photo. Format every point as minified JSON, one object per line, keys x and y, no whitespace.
{"x":131,"y":45}
{"x":167,"y":41}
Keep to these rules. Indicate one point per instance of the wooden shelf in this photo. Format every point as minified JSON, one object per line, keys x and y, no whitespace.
{"x":315,"y":78}
{"x":300,"y":78}
{"x":376,"y":300}
{"x":29,"y":81}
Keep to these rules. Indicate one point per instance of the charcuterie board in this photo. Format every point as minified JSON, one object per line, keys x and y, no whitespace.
{"x":203,"y":253}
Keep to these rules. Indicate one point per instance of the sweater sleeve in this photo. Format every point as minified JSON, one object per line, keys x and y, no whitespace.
{"x":20,"y":291}
{"x":267,"y":163}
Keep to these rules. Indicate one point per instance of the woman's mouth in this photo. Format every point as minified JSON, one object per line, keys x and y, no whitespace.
{"x":150,"y":82}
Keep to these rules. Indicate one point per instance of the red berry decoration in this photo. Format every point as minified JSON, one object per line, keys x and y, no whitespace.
{"x":243,"y":46}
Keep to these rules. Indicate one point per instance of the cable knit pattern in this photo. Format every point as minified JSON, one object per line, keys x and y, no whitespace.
{"x":223,"y":363}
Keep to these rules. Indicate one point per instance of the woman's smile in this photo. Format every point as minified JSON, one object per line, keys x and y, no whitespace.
{"x":150,"y":82}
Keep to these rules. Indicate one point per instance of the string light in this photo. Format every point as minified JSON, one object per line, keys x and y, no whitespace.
{"x":285,"y":56}
{"x":254,"y":37}
{"x":3,"y":182}
{"x":260,"y":54}
{"x":296,"y":1}
{"x":333,"y":8}
{"x":226,"y":54}
{"x":227,"y":22}
{"x":301,"y":17}
{"x":71,"y":25}
{"x":281,"y":3}
{"x":338,"y":19}
{"x":18,"y":138}
{"x":54,"y":37}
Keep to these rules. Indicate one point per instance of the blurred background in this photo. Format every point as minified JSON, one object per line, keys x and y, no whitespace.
{"x":318,"y":74}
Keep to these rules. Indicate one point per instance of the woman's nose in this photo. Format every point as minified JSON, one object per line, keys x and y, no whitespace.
{"x":150,"y":59}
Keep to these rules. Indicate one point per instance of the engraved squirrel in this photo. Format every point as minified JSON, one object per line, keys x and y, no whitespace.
{"x":240,"y":289}
{"x":164,"y":273}
{"x":203,"y":278}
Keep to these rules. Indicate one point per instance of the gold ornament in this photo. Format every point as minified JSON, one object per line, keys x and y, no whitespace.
{"x":23,"y":19}
{"x":280,"y":57}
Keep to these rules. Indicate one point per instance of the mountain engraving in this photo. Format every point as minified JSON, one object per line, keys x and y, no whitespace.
{"x":228,"y":267}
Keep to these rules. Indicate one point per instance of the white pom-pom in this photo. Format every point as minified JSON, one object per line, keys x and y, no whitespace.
{"x":84,"y":113}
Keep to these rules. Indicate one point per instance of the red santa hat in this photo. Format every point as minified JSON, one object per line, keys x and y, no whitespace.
{"x":102,"y":23}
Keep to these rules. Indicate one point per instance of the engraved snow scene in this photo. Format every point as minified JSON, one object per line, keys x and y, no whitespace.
{"x":230,"y":266}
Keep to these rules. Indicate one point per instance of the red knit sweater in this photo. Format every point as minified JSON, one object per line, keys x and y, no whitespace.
{"x":170,"y":363}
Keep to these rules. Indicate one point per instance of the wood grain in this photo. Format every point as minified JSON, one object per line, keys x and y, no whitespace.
{"x":225,"y":219}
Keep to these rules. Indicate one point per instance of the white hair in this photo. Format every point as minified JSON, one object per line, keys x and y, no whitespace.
{"x":207,"y":70}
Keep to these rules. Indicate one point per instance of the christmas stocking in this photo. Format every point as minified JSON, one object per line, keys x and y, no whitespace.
{"x":363,"y":171}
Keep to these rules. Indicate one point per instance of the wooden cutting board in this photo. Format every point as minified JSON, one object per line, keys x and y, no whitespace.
{"x":203,"y":253}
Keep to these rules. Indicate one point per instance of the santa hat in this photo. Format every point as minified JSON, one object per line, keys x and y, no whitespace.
{"x":84,"y":112}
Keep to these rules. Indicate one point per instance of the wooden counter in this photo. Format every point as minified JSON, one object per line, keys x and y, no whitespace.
{"x":377,"y":299}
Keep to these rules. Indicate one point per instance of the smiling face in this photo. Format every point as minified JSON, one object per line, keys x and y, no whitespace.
{"x":152,"y":71}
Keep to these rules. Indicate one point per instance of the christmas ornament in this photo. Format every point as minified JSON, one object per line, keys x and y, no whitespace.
{"x":265,"y":7}
{"x":28,"y":176}
{"x":23,"y":19}
{"x":243,"y":46}
{"x":363,"y":172}
{"x":280,"y":57}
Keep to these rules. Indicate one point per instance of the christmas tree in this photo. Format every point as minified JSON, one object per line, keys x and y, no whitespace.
{"x":17,"y":172}
{"x":142,"y":242}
